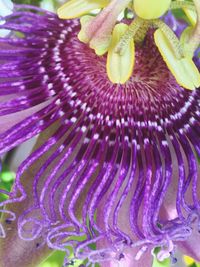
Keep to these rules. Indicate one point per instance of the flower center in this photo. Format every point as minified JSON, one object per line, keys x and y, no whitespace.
{"x":151,"y":86}
{"x":104,"y":34}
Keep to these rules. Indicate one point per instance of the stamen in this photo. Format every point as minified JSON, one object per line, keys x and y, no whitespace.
{"x":171,"y":36}
{"x":184,"y":69}
{"x":131,"y":31}
{"x":97,"y":32}
{"x":191,"y":15}
{"x":184,"y":39}
{"x":85,"y":21}
{"x":120,"y":67}
{"x":194,"y":41}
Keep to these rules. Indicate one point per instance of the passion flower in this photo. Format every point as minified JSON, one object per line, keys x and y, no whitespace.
{"x":116,"y":173}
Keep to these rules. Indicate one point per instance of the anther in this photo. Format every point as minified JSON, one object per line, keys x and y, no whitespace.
{"x":171,"y":36}
{"x":194,"y":39}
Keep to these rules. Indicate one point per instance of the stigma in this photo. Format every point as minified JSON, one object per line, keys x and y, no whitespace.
{"x":104,"y":30}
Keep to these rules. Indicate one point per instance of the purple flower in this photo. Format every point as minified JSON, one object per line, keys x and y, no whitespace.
{"x":116,"y":166}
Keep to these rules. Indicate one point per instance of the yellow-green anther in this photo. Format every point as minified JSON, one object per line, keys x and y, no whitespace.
{"x":97,"y":32}
{"x":185,"y":36}
{"x":151,"y":9}
{"x":85,"y":21}
{"x":120,"y":67}
{"x":192,"y":72}
{"x":194,"y":40}
{"x":171,"y":36}
{"x":191,"y":15}
{"x":129,"y":34}
{"x":184,"y":69}
{"x":101,"y":47}
{"x":77,"y":8}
